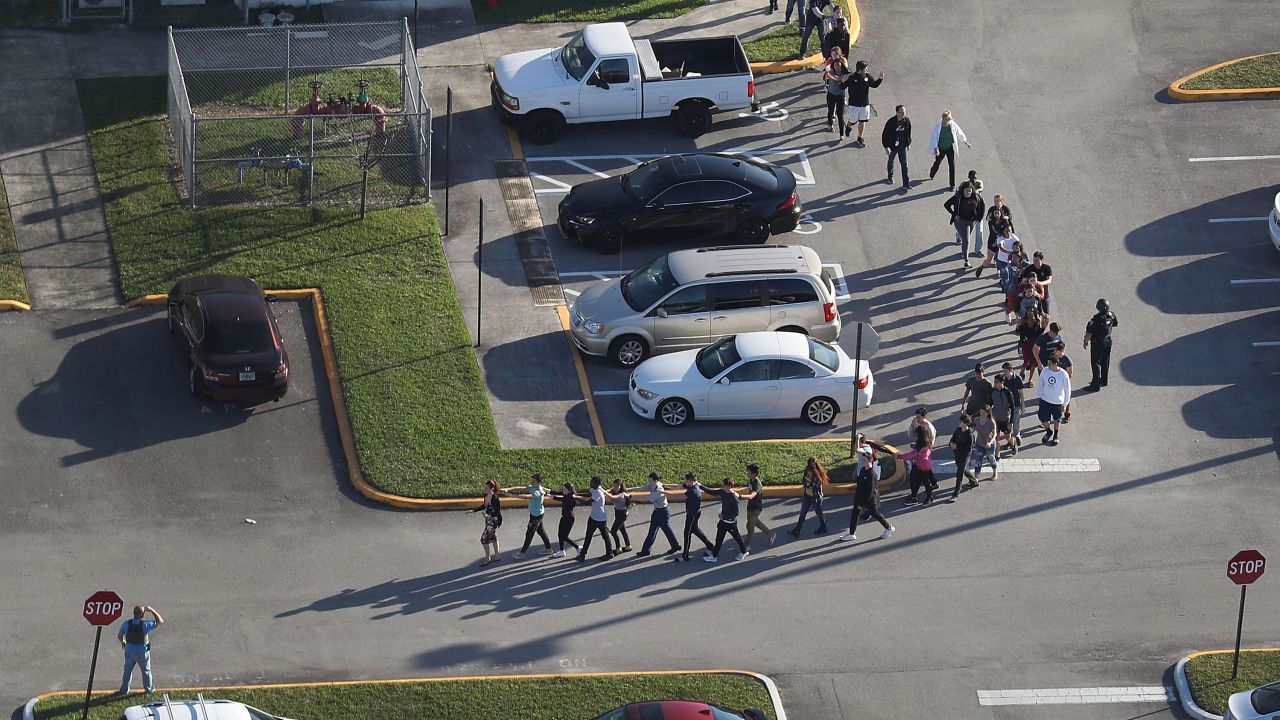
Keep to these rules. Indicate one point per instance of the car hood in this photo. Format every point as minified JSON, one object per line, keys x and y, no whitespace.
{"x":530,"y":71}
{"x":595,"y":197}
{"x":675,"y":368}
{"x":602,"y":301}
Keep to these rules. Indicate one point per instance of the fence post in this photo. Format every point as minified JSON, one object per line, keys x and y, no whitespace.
{"x":311,"y":160}
{"x":191,"y":158}
{"x":288,"y":63}
{"x":448,"y":143}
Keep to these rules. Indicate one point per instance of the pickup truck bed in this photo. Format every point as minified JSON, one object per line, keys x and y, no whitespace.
{"x":702,"y":57}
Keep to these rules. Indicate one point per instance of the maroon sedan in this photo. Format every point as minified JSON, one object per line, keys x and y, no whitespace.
{"x":235,"y":349}
{"x":678,"y":710}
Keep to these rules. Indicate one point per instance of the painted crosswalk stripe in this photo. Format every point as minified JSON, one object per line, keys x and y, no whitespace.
{"x":1077,"y":696}
{"x":1039,"y":465}
{"x":1235,"y":157}
{"x":1237,"y":219}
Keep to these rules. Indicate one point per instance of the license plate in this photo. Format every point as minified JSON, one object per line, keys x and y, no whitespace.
{"x":248,"y":377}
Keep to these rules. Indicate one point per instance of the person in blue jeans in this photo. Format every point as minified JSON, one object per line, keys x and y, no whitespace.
{"x":896,"y":138}
{"x":661,"y":517}
{"x":135,"y":639}
{"x":815,"y":477}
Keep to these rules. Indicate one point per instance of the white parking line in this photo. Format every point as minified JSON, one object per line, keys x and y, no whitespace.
{"x":608,"y":392}
{"x":1077,"y":696}
{"x":1235,"y":157}
{"x":1237,"y":219}
{"x":567,"y":291}
{"x":1039,"y":465}
{"x":1267,"y":343}
{"x":598,"y":274}
{"x":837,"y":278}
{"x":1255,"y":281}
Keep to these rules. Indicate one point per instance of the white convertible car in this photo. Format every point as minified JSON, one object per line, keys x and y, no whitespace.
{"x":749,"y":376}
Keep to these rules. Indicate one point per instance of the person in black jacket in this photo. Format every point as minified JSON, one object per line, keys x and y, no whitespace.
{"x":896,"y":138}
{"x":859,"y":85}
{"x":966,"y":208}
{"x":866,"y":496}
{"x":838,"y":38}
{"x":962,"y":447}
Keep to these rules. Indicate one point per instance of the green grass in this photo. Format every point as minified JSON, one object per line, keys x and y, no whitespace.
{"x":1210,"y":676}
{"x":414,"y":392}
{"x":558,"y":698}
{"x":12,"y":284}
{"x":30,"y":13}
{"x":579,"y":11}
{"x":1259,"y":72}
{"x":782,"y":43}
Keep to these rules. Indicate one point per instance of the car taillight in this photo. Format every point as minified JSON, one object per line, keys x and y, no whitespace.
{"x":789,"y":202}
{"x":751,"y":88}
{"x":862,"y":382}
{"x":282,"y":371}
{"x":829,"y":311}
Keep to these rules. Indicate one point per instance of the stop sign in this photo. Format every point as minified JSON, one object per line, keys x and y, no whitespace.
{"x":103,"y":607}
{"x":1246,"y":566}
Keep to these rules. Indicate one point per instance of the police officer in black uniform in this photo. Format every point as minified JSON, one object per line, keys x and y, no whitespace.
{"x":1099,"y":332}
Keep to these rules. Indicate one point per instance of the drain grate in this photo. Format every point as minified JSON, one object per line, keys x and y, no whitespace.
{"x":531,"y":241}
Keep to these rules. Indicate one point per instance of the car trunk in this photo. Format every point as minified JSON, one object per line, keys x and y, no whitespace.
{"x":246,"y":370}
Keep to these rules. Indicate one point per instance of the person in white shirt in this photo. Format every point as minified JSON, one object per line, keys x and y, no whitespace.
{"x":946,"y":135}
{"x":598,"y":520}
{"x":661,"y":517}
{"x":1054,"y":391}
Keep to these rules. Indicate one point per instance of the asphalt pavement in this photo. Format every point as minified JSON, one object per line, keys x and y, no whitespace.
{"x":1036,"y":581}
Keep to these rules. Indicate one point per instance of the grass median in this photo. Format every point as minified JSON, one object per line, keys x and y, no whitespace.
{"x":1262,"y":71}
{"x":545,"y":698}
{"x":13,"y":286}
{"x":414,"y":391}
{"x":783,"y":43}
{"x":579,"y":11}
{"x":1209,"y":676}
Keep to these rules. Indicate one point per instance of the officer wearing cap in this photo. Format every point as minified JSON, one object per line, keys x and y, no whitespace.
{"x":1098,"y":331}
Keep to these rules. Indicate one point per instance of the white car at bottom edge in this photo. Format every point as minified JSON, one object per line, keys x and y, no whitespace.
{"x":756,"y":375}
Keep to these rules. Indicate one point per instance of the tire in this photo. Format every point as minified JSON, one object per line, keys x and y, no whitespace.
{"x":608,"y":240}
{"x":794,"y":329}
{"x":543,"y":126}
{"x":820,"y":411}
{"x":674,"y":412}
{"x":629,"y":351}
{"x":193,"y":385}
{"x":754,"y":231}
{"x":693,"y":119}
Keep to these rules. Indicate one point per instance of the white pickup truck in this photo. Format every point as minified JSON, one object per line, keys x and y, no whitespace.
{"x":602,"y":74}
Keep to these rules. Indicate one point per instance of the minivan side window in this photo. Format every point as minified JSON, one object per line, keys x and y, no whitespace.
{"x":737,"y":295}
{"x":689,"y":300}
{"x":754,"y":371}
{"x":787,"y":291}
{"x":792,"y":370}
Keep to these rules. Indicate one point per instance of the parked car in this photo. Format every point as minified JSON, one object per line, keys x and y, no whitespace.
{"x":235,"y":350}
{"x":703,"y":196}
{"x":688,"y":298}
{"x":198,"y":709}
{"x":677,"y":710}
{"x":750,"y":376}
{"x":1260,"y":703}
{"x":1273,"y":222}
{"x":603,"y":74}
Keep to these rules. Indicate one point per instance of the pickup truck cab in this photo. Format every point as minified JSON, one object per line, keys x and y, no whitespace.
{"x":602,"y":74}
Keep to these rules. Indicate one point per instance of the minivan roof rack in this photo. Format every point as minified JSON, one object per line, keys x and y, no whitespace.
{"x":739,"y":247}
{"x":722,"y":273}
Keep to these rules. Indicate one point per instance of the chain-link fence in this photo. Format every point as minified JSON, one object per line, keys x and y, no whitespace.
{"x":297,"y":114}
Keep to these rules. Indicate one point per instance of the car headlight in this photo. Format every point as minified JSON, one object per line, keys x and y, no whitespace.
{"x":593,"y":326}
{"x":583,"y":219}
{"x":510,"y":101}
{"x":646,"y":394}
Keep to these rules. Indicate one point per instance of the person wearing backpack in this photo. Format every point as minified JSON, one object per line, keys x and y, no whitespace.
{"x":135,"y":640}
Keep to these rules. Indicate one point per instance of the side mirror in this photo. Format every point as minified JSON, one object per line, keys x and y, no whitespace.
{"x":662,"y":312}
{"x":724,"y":381}
{"x":271,"y":298}
{"x":753,"y":714}
{"x":174,"y":303}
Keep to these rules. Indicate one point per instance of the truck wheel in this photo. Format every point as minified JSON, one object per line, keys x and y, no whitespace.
{"x":543,"y":127}
{"x":693,"y":119}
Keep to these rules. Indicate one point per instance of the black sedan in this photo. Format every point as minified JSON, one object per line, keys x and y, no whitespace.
{"x":235,"y":351}
{"x":699,"y":196}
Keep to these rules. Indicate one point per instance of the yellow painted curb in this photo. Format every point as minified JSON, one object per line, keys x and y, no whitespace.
{"x":7,"y":305}
{"x":813,"y":61}
{"x":1176,"y":91}
{"x":563,"y":313}
{"x":1219,"y":652}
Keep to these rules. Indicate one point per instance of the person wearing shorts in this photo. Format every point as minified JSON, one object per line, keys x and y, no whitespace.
{"x":1054,"y":392}
{"x":859,"y":85}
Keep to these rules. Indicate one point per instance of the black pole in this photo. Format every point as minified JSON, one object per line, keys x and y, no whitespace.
{"x":448,"y":143}
{"x":1235,"y":661}
{"x":479,"y":271}
{"x":857,"y":370}
{"x":415,"y":26}
{"x":88,"y":693}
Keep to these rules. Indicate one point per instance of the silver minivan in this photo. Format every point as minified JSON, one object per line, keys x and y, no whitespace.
{"x":689,"y":298}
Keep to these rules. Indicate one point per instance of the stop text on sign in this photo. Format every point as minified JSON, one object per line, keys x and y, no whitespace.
{"x":1246,"y":567}
{"x":98,"y":607}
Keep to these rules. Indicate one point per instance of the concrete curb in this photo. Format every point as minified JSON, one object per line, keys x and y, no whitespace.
{"x":7,"y":305}
{"x":28,"y":710}
{"x":1176,"y":92}
{"x":1184,"y":688}
{"x":813,"y":61}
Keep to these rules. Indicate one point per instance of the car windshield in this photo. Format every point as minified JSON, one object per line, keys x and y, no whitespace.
{"x":824,"y":355}
{"x":645,"y":182}
{"x":719,"y":356}
{"x":238,"y":338}
{"x":722,"y":714}
{"x":1266,"y":699}
{"x":646,"y":285}
{"x":577,"y":57}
